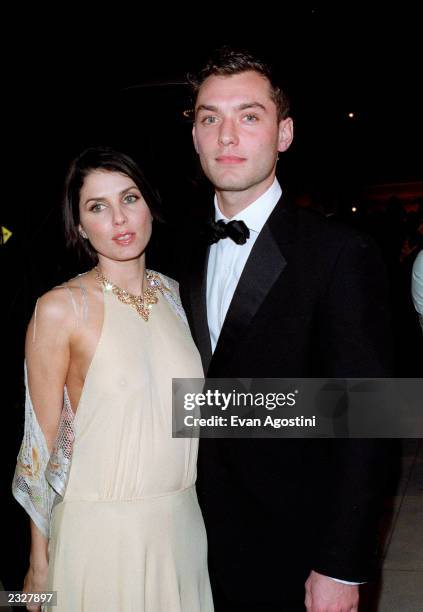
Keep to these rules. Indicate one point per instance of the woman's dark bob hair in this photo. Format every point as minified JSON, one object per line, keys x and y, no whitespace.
{"x":109,"y":160}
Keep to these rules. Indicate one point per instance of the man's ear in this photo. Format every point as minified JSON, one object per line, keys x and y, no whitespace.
{"x":194,"y":138}
{"x":286,"y":134}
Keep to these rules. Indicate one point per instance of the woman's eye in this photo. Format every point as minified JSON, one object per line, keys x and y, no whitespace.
{"x":97,"y":207}
{"x":130,"y":198}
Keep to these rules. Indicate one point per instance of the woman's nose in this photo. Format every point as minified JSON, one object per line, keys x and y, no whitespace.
{"x":119,"y":216}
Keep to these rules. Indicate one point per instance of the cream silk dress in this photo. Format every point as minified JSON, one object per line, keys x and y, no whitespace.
{"x":128,"y":534}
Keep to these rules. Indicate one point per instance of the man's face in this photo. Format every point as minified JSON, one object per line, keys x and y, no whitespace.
{"x":237,"y":134}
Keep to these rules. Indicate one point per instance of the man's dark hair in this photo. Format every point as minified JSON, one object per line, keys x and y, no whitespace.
{"x":227,"y":61}
{"x":109,"y":160}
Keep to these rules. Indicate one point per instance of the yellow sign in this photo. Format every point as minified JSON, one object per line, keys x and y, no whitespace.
{"x":6,"y":234}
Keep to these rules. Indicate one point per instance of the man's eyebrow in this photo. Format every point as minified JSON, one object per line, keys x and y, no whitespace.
{"x":248,"y":105}
{"x":243,"y":106}
{"x":206,"y":107}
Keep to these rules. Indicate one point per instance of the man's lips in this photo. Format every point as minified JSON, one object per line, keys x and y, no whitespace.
{"x":230,"y":159}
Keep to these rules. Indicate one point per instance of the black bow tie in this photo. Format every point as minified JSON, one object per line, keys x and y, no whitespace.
{"x":236,"y":230}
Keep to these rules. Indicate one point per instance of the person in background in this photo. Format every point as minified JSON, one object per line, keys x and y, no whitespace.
{"x":417,"y":286}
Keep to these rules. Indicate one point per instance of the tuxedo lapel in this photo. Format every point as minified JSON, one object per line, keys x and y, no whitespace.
{"x":198,"y":298}
{"x":263,"y":268}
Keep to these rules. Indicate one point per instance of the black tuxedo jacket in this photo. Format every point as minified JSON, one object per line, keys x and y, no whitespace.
{"x":311,"y":302}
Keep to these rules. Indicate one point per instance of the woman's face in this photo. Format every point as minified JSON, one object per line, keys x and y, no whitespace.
{"x":114,"y":216}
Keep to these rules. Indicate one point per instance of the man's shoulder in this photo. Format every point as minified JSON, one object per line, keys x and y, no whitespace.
{"x":418,"y":265}
{"x":330,"y":232}
{"x":329,"y":225}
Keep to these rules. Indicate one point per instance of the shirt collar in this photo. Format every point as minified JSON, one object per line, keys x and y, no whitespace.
{"x":257,"y":213}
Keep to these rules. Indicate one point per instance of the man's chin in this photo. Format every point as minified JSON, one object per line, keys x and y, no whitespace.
{"x":231,"y":186}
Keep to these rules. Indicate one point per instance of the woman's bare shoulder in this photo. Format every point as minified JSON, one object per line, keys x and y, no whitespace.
{"x":59,"y":306}
{"x":54,"y":305}
{"x":51,"y":321}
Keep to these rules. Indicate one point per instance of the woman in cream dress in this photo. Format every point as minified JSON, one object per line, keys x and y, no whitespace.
{"x":115,"y":520}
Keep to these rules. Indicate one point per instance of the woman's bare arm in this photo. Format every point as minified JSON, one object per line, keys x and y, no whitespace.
{"x":47,"y":351}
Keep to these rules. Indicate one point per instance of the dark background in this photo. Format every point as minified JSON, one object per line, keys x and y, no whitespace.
{"x":71,"y":80}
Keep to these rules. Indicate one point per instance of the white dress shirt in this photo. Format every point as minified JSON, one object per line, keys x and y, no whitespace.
{"x":227,"y":259}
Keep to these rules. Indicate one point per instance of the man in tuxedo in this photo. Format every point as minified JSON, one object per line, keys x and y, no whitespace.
{"x":281,"y":292}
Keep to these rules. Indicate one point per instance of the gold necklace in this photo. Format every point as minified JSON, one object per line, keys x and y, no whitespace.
{"x":142,"y":303}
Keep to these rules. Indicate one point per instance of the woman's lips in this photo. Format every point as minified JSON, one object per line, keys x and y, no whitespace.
{"x":124,"y":239}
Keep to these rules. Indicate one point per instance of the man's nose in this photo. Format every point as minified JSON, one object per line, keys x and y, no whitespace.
{"x":228,"y":134}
